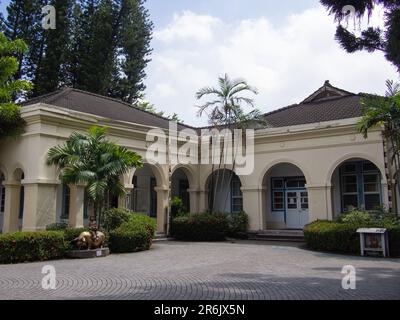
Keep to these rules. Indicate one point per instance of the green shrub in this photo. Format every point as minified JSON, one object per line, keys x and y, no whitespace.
{"x":124,"y":241}
{"x":114,"y":218}
{"x":356,"y":217}
{"x":57,"y":227}
{"x":177,"y":207}
{"x":200,"y":227}
{"x":332,"y":236}
{"x":140,"y":222}
{"x":238,"y":225}
{"x":134,"y":235}
{"x":394,"y":241}
{"x":31,"y":246}
{"x":343,"y":237}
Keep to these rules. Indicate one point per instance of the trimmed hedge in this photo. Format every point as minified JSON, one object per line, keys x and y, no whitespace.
{"x":134,"y":235}
{"x":200,"y":227}
{"x":238,"y":225}
{"x":343,"y":238}
{"x":31,"y":246}
{"x":114,"y":218}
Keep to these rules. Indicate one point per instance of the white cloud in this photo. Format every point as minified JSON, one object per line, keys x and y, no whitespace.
{"x":188,"y":26}
{"x":286,"y":62}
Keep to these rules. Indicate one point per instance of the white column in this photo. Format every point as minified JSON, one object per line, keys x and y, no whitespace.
{"x":76,"y":206}
{"x":162,"y":206}
{"x":194,"y":200}
{"x":252,"y":205}
{"x":11,"y":210}
{"x":39,"y":204}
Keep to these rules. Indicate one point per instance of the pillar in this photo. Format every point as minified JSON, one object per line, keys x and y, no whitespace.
{"x":11,"y":209}
{"x":39,"y":205}
{"x":203,"y":201}
{"x":76,"y":206}
{"x":162,"y":207}
{"x":124,"y":200}
{"x":194,"y":200}
{"x":252,"y":205}
{"x":320,"y":202}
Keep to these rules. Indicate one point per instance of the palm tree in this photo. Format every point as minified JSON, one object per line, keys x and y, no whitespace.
{"x":96,"y":162}
{"x":225,"y":110}
{"x":385,"y":111}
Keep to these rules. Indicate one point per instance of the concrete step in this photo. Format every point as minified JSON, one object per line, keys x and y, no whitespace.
{"x":278,"y":235}
{"x":160,"y":237}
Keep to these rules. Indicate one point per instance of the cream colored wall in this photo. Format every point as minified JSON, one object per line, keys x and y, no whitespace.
{"x":316,"y":149}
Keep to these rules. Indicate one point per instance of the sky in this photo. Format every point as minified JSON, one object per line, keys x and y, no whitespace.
{"x":286,"y":49}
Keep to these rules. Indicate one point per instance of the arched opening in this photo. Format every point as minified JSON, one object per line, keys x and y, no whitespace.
{"x":144,"y":195}
{"x":2,"y":200}
{"x":18,"y":177}
{"x":356,"y":184}
{"x":180,"y":187}
{"x":285,"y":197}
{"x":224,"y":192}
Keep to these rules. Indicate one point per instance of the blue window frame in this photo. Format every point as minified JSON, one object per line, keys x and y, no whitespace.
{"x":66,"y":195}
{"x":279,"y":186}
{"x":236,"y":195}
{"x":360,"y":186}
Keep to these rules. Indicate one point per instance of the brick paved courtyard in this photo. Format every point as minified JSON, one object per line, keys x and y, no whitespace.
{"x":173,"y":270}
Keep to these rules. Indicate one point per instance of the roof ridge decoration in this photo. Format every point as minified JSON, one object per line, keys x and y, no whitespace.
{"x":326,"y":91}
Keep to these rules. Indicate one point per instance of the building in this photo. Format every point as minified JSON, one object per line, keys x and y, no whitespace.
{"x":310,"y":163}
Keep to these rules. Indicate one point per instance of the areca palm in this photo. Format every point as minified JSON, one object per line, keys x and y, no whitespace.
{"x":226,"y":106}
{"x":96,"y":162}
{"x":225,"y":110}
{"x":385,"y":111}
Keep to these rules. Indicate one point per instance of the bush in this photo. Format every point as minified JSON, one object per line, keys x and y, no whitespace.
{"x":134,"y":235}
{"x":114,"y":218}
{"x":31,"y":246}
{"x":200,"y":227}
{"x":124,"y":241}
{"x":57,"y":227}
{"x":332,"y":236}
{"x":238,"y":225}
{"x":177,"y":207}
{"x":356,"y":217}
{"x":394,"y":241}
{"x":343,"y":237}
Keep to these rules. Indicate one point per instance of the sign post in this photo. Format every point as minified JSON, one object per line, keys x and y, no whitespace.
{"x":374,"y":240}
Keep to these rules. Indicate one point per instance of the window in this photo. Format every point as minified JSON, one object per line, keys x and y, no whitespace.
{"x":292,"y":200}
{"x":304,"y":200}
{"x":295,"y":183}
{"x":66,"y":195}
{"x":21,"y":202}
{"x":236,"y":195}
{"x":278,"y":200}
{"x":360,"y":186}
{"x":280,"y":188}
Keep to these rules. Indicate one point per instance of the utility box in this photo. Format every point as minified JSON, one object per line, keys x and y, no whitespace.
{"x":374,"y":241}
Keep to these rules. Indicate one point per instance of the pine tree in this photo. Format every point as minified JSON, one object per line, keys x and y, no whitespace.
{"x":135,"y":36}
{"x":371,"y":39}
{"x":96,"y":47}
{"x":24,"y":22}
{"x":101,"y":46}
{"x":51,"y":72}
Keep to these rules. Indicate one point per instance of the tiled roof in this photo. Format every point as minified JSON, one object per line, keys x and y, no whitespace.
{"x":106,"y":107}
{"x":326,"y":104}
{"x":318,"y":111}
